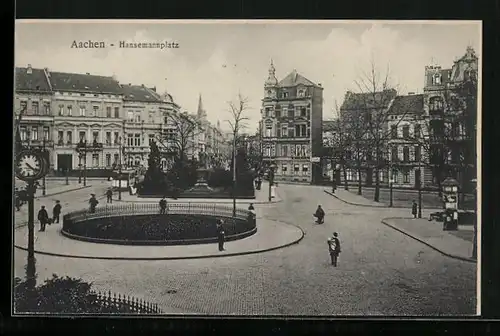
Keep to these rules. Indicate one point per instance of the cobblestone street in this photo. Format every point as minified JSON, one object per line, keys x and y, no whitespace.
{"x":380,"y":272}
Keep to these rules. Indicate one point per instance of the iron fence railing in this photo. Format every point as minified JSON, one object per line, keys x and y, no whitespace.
{"x":112,"y":210}
{"x":126,"y":304}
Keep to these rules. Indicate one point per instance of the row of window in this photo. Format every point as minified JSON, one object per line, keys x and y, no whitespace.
{"x":290,"y":111}
{"x":35,"y":107}
{"x":301,"y":92}
{"x":298,"y":131}
{"x":32,"y":133}
{"x":406,"y":154}
{"x":417,"y":129}
{"x":283,"y":150}
{"x":136,"y":117}
{"x":295,"y":171}
{"x":87,"y":95}
{"x":96,"y":157}
{"x":67,"y":137}
{"x":352,"y":175}
{"x":67,"y":110}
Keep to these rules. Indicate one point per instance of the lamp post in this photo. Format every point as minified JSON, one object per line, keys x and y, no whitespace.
{"x":85,"y":163}
{"x":271,"y":180}
{"x":66,"y":172}
{"x":419,"y":186}
{"x":120,"y":169}
{"x":391,"y":182}
{"x":234,"y":171}
{"x":44,"y":155}
{"x":474,"y":240}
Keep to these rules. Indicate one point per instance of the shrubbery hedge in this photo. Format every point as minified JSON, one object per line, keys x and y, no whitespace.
{"x":156,"y":227}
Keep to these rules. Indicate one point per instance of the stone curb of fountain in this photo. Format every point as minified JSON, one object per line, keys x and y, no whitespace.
{"x":450,"y":255}
{"x":233,"y":254}
{"x":375,"y":205}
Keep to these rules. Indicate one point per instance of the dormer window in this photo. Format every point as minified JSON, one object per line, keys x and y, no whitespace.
{"x":301,"y":92}
{"x":285,"y":94}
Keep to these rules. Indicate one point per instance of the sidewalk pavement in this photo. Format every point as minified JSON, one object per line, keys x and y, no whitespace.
{"x":354,"y":199}
{"x":261,"y":197}
{"x":21,"y":216}
{"x":270,"y":235}
{"x":454,"y":244}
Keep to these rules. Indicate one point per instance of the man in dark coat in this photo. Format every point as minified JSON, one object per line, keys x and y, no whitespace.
{"x":109,"y":196}
{"x":43,"y":217}
{"x":163,"y":206}
{"x":220,"y":234}
{"x":56,"y":212}
{"x":334,"y":248}
{"x":414,"y":209}
{"x":319,"y":214}
{"x":93,"y":203}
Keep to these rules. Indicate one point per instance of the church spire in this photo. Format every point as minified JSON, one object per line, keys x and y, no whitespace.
{"x":201,"y":111}
{"x":271,"y":79}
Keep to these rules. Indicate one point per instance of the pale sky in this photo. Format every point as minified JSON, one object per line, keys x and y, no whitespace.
{"x":221,"y":59}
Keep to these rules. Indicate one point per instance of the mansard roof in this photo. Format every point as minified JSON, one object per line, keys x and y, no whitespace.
{"x":36,"y":81}
{"x":139,"y":93}
{"x":75,"y":82}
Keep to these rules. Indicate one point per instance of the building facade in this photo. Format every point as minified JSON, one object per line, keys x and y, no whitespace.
{"x":88,"y":121}
{"x":291,"y":126}
{"x":450,"y":116}
{"x":33,"y":98}
{"x":146,"y":118}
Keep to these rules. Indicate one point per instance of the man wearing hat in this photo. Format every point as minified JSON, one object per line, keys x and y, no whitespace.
{"x":334,"y":248}
{"x":93,"y":203}
{"x":56,"y":212}
{"x":220,"y":234}
{"x":43,"y":217}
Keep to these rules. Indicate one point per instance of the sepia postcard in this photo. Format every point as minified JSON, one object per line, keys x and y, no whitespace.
{"x":247,"y":168}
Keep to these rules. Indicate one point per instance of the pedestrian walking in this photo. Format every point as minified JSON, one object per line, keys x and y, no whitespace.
{"x":163,"y":205}
{"x":414,"y":209}
{"x":320,"y":215}
{"x":17,"y":200}
{"x":109,"y":196}
{"x":220,"y":234}
{"x":56,"y":212}
{"x":334,"y":248}
{"x":93,"y":203}
{"x":43,"y":217}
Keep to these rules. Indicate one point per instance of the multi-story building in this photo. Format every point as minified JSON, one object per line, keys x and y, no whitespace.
{"x":450,"y":116}
{"x":365,"y":121}
{"x":33,"y":97}
{"x":87,"y":108}
{"x":407,"y":150}
{"x":146,"y":114}
{"x":291,"y":126}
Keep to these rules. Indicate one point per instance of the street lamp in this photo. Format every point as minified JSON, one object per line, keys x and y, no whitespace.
{"x":82,"y":153}
{"x":419,"y":186}
{"x":271,"y":180}
{"x":45,"y":158}
{"x":234,"y":171}
{"x":120,"y":169}
{"x":391,"y":182}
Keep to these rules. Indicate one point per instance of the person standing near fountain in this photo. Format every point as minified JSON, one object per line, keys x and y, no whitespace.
{"x":220,"y":234}
{"x":163,"y":206}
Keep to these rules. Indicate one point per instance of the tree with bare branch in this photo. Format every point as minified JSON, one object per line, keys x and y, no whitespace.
{"x":375,"y":99}
{"x":338,"y":144}
{"x":237,"y":122}
{"x":180,"y":137}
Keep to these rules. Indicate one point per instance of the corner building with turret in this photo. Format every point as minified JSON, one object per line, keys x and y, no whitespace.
{"x":291,"y":127}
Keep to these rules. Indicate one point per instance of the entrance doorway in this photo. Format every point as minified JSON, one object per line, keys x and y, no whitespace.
{"x":64,"y":162}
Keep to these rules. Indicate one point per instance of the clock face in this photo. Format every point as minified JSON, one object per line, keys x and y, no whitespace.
{"x":29,"y":166}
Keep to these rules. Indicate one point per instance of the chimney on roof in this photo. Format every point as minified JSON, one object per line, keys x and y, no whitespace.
{"x":319,"y":84}
{"x":29,"y":70}
{"x":153,"y":88}
{"x":142,"y":85}
{"x":87,"y":73}
{"x":129,"y":84}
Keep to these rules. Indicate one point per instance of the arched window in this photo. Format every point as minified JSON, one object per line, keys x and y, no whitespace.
{"x":436,"y":104}
{"x":437,"y":79}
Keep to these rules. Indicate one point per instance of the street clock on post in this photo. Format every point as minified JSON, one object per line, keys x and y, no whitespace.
{"x":30,"y":166}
